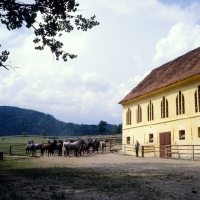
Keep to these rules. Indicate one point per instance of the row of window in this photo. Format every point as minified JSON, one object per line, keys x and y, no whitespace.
{"x":151,"y":136}
{"x":180,"y":108}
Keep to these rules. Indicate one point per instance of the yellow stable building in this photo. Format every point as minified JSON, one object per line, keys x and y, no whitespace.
{"x":164,"y":108}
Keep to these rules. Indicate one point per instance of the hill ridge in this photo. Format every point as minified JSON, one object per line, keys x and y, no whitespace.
{"x":15,"y":120}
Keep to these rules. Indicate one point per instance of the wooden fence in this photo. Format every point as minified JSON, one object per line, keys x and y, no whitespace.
{"x":169,"y":151}
{"x":182,"y":151}
{"x":14,"y":150}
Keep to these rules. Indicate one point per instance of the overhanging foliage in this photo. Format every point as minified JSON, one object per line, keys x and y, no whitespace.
{"x":58,"y":17}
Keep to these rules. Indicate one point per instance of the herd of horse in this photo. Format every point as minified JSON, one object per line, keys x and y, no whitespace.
{"x":69,"y":146}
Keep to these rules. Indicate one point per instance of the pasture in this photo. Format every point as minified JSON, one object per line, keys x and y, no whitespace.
{"x":98,"y":176}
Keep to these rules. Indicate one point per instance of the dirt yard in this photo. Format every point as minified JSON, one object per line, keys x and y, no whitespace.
{"x":99,"y":177}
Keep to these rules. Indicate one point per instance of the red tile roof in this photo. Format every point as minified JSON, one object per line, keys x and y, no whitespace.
{"x":179,"y":69}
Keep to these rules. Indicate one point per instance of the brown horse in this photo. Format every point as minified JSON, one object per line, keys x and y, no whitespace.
{"x":50,"y":147}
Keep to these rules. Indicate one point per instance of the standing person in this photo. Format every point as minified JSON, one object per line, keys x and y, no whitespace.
{"x":137,"y":148}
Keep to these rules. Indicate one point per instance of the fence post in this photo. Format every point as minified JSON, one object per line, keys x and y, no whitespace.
{"x":110,"y":146}
{"x":1,"y":155}
{"x":124,"y":149}
{"x":154,"y":151}
{"x":143,"y":151}
{"x":10,"y":150}
{"x":165,"y":151}
{"x":178,"y":153}
{"x":192,"y":152}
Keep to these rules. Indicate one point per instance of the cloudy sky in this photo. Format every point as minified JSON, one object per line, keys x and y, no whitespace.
{"x":133,"y":38}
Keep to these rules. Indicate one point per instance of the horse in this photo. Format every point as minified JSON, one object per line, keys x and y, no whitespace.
{"x":103,"y":145}
{"x":30,"y":148}
{"x":37,"y":147}
{"x":69,"y":140}
{"x":50,"y":147}
{"x":59,"y":146}
{"x":96,"y":144}
{"x":87,"y":145}
{"x":46,"y":151}
{"x":76,"y":146}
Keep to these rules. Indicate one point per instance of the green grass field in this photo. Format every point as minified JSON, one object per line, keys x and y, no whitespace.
{"x":4,"y":140}
{"x":22,"y":139}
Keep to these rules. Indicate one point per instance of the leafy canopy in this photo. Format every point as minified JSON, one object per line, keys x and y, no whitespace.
{"x":58,"y":16}
{"x":102,"y":126}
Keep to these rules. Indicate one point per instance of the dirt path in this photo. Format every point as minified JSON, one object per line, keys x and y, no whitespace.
{"x":108,"y":176}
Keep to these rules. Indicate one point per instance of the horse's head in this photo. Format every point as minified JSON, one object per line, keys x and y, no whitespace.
{"x":55,"y":141}
{"x":60,"y":141}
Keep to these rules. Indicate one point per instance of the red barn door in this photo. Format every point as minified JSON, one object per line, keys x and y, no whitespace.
{"x":165,"y":139}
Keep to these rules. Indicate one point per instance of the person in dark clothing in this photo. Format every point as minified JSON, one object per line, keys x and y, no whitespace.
{"x":137,"y":148}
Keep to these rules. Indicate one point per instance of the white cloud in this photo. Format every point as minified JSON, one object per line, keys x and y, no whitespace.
{"x":132,"y":38}
{"x":95,"y":82}
{"x":181,"y":38}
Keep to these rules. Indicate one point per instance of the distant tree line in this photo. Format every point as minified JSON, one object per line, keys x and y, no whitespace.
{"x":19,"y":121}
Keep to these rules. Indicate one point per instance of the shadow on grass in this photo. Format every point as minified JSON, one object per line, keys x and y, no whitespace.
{"x":34,"y":178}
{"x":19,"y":178}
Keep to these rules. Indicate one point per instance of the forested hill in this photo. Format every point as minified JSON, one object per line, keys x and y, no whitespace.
{"x":17,"y":121}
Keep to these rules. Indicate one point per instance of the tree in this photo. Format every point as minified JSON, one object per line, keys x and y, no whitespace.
{"x":102,"y":126}
{"x":24,"y":133}
{"x":120,"y":128}
{"x":57,"y":17}
{"x":43,"y":133}
{"x":115,"y":129}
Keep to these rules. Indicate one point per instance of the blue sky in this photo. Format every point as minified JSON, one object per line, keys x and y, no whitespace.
{"x":182,"y":3}
{"x":133,"y":38}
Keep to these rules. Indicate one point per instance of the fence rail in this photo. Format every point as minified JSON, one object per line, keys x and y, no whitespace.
{"x":168,"y":151}
{"x":190,"y":151}
{"x":17,"y":149}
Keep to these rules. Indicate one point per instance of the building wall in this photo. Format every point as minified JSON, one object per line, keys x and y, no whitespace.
{"x":188,"y":122}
